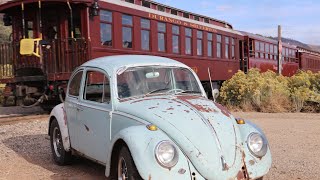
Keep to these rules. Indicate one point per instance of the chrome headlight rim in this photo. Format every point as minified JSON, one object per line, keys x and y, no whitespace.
{"x":174,"y":160}
{"x":263,"y":151}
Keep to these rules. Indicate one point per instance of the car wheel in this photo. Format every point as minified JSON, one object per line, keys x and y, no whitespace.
{"x":260,"y":178}
{"x":126,"y":169}
{"x":60,"y":156}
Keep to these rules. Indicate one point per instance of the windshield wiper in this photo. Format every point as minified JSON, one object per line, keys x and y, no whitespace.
{"x":189,"y":91}
{"x":156,"y":90}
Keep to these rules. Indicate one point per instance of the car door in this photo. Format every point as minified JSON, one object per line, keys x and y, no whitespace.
{"x":94,"y":113}
{"x":71,"y":102}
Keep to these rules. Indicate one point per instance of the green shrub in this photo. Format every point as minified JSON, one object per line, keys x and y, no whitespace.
{"x":267,"y":92}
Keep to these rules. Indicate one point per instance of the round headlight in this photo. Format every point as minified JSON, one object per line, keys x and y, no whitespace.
{"x":257,"y":144}
{"x":166,"y":154}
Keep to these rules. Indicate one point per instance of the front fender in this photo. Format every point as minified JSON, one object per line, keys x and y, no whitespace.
{"x":256,"y":167}
{"x":59,"y":114}
{"x":141,"y":143}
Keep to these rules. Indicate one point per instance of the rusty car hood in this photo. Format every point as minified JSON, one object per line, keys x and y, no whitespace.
{"x":205,"y":131}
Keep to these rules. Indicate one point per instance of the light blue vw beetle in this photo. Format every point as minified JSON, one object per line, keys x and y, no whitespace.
{"x":147,"y":117}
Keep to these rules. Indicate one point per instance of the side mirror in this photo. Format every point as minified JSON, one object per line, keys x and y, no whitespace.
{"x":215,"y":94}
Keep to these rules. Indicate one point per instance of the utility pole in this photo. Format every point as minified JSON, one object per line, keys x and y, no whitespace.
{"x":279,"y":51}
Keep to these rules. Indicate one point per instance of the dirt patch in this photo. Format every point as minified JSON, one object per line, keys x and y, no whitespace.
{"x":294,"y":140}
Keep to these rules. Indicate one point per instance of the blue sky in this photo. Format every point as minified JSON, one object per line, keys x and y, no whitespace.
{"x":300,"y":20}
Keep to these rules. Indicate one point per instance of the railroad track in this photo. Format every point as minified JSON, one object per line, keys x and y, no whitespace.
{"x":11,"y":115}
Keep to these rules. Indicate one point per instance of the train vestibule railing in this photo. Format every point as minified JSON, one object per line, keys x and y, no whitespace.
{"x":57,"y":56}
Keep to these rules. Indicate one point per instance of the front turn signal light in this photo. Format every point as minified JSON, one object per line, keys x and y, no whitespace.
{"x":152,"y":127}
{"x":240,"y":121}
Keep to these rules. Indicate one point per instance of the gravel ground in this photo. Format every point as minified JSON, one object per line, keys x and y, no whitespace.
{"x":294,"y":140}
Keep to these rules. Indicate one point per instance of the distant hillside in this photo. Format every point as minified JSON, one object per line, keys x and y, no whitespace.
{"x":315,"y":47}
{"x":298,"y":43}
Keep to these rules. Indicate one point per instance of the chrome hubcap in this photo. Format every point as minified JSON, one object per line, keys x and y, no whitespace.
{"x":122,"y":169}
{"x":57,"y":142}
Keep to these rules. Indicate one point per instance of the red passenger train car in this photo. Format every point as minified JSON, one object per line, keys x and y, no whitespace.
{"x":63,"y":34}
{"x":262,"y":53}
{"x":309,"y":60}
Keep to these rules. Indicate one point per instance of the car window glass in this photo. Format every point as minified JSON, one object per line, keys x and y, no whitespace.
{"x":74,"y":86}
{"x":97,"y":87}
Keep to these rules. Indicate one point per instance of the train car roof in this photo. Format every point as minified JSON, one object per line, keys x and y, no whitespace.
{"x":307,"y":50}
{"x":265,"y":39}
{"x":194,"y":14}
{"x":116,"y":62}
{"x":150,"y":10}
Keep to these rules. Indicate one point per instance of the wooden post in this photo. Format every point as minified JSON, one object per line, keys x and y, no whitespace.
{"x":279,"y":51}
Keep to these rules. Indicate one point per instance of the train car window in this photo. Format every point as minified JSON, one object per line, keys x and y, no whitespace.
{"x":233,"y":47}
{"x":161,"y":37}
{"x":267,"y":50}
{"x":106,"y":16}
{"x":145,"y":34}
{"x":127,"y":20}
{"x":283,"y":53}
{"x":175,"y":39}
{"x":271,"y":52}
{"x":106,"y":27}
{"x":30,"y":31}
{"x":161,"y":8}
{"x":226,"y":49}
{"x":209,"y":37}
{"x":199,"y":43}
{"x":188,"y":34}
{"x":262,"y":50}
{"x":146,"y":4}
{"x":127,"y":24}
{"x":219,"y":46}
{"x":174,"y":12}
{"x":97,"y":88}
{"x":74,"y":86}
{"x":130,"y":1}
{"x":257,"y":48}
{"x":186,"y":15}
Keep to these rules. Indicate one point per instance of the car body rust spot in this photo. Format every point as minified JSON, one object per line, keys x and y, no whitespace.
{"x":223,"y":109}
{"x":198,"y":106}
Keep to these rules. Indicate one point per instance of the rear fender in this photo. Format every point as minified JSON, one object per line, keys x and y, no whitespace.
{"x":59,"y":114}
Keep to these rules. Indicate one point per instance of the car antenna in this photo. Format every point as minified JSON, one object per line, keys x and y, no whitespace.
{"x":215,"y":92}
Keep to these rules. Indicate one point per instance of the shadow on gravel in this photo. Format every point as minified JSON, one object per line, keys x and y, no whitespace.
{"x":17,"y":110}
{"x":36,"y":150}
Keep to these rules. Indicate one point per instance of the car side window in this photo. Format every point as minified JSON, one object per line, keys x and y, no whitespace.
{"x":74,"y":87}
{"x":97,"y":87}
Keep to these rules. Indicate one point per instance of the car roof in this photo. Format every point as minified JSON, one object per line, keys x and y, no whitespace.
{"x":114,"y":63}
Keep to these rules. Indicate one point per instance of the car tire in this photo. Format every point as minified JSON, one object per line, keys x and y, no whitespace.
{"x":125,"y":167}
{"x":261,"y":178}
{"x":60,"y":156}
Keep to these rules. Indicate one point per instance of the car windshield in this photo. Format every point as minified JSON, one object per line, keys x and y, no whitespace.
{"x":143,"y":81}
